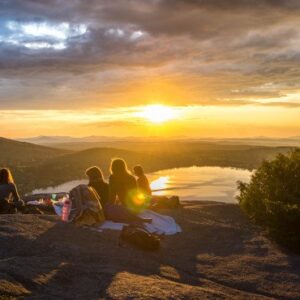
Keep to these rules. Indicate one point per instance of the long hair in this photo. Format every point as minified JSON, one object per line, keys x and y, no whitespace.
{"x":6,"y":176}
{"x":119,"y":167}
{"x":94,"y":174}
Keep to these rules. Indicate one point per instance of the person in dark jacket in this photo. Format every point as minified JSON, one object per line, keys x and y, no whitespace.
{"x":142,"y":180}
{"x":9,"y":197}
{"x":96,"y":181}
{"x":122,"y":185}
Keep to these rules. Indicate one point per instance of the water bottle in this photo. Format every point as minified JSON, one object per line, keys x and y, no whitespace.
{"x":66,"y":210}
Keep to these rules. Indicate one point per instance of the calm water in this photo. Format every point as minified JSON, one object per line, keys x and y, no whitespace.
{"x":193,"y":183}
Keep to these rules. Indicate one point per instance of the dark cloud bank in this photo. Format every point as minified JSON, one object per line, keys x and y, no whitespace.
{"x":235,"y":49}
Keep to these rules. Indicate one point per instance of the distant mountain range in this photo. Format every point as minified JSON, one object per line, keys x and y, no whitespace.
{"x":35,"y":166}
{"x":260,"y":141}
{"x":81,"y":143}
{"x":42,"y":140}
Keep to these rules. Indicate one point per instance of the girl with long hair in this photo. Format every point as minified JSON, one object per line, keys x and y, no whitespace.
{"x":121,"y":183}
{"x":9,"y":197}
{"x":96,"y":181}
{"x":122,"y":190}
{"x":6,"y":176}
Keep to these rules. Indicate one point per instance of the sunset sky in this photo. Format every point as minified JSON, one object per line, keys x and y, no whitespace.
{"x":194,"y":68}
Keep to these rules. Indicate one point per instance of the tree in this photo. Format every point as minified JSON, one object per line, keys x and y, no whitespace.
{"x":272,"y":198}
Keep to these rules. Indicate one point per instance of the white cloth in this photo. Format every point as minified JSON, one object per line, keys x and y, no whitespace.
{"x":161,"y":224}
{"x":34,"y":202}
{"x":111,"y":225}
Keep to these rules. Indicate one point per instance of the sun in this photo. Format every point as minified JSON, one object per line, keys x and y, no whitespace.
{"x":158,"y":113}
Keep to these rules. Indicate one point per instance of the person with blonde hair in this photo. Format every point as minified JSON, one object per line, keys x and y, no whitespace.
{"x":122,"y":190}
{"x":121,"y":183}
{"x":96,"y":181}
{"x":9,"y":197}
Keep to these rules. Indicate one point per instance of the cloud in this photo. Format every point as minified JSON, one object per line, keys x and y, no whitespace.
{"x":60,"y":54}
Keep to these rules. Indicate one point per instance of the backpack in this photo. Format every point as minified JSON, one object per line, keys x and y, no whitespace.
{"x":161,"y":202}
{"x":139,"y":237}
{"x":86,"y":207}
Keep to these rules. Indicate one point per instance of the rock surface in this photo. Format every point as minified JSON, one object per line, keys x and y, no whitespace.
{"x":219,"y":255}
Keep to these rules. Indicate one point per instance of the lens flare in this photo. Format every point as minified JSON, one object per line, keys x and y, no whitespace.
{"x":137,"y":201}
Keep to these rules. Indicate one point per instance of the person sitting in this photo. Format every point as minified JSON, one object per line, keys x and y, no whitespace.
{"x":121,"y":183}
{"x":142,"y":180}
{"x":96,"y":181}
{"x":122,"y":188}
{"x":9,"y":198}
{"x":112,"y":211}
{"x":156,"y":202}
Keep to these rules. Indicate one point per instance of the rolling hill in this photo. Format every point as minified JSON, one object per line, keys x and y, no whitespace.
{"x":14,"y":153}
{"x":67,"y":167}
{"x":36,"y":166}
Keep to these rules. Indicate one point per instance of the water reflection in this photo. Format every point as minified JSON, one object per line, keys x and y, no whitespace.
{"x":193,"y":183}
{"x":159,"y":185}
{"x":199,"y":183}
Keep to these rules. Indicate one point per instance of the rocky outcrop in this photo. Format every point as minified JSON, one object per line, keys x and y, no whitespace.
{"x":219,"y":255}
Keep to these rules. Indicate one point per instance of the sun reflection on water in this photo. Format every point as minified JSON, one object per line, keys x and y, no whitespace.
{"x":191,"y":183}
{"x":160,"y":184}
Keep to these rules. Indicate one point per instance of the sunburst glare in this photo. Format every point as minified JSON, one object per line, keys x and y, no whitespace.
{"x":158,"y":113}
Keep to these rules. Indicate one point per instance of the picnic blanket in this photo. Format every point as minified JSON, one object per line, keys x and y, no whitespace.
{"x":161,"y":224}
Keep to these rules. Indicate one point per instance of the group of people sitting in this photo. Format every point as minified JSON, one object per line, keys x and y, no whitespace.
{"x":117,"y":197}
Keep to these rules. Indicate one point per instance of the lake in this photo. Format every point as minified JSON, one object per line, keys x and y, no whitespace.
{"x":192,"y":183}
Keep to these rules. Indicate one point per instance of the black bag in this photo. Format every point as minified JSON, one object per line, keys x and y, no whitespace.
{"x":139,"y":237}
{"x":162,"y":202}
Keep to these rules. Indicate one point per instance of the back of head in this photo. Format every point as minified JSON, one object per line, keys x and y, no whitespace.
{"x":94,"y":174}
{"x":5,"y":176}
{"x":119,"y":167}
{"x":138,"y":170}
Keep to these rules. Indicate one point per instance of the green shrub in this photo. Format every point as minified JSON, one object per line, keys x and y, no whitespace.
{"x":272,"y":198}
